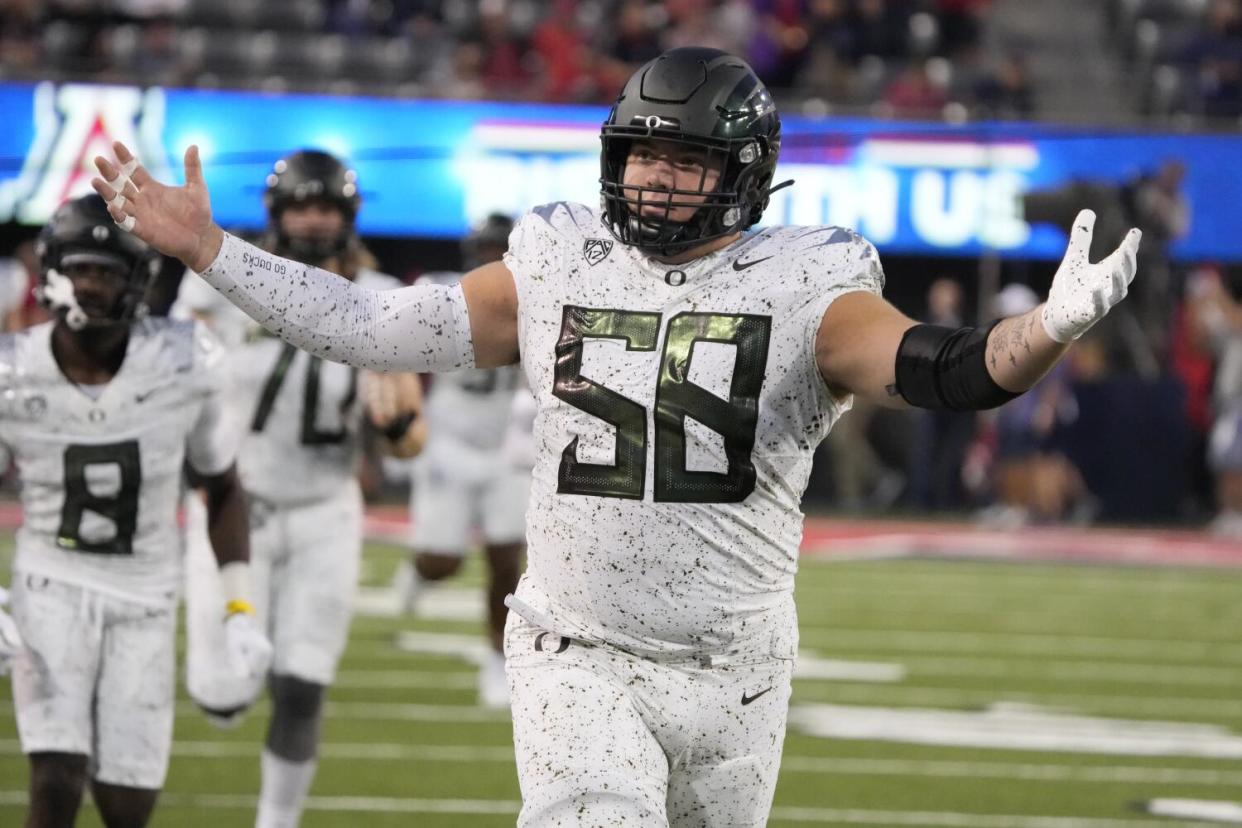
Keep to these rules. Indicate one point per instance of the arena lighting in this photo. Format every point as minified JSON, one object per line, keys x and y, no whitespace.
{"x":431,"y":168}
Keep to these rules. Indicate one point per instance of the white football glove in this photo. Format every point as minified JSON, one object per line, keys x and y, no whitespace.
{"x":1082,"y":293}
{"x":10,"y":638}
{"x":250,"y":653}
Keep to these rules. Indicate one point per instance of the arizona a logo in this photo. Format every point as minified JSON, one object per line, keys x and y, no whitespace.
{"x":74,"y":123}
{"x":596,"y":250}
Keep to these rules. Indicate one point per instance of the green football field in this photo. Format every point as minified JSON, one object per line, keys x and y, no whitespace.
{"x":931,"y":693}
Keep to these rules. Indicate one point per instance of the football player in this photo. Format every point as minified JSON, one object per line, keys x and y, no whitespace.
{"x":461,"y":483}
{"x":684,"y":370}
{"x":303,"y":420}
{"x":101,"y":408}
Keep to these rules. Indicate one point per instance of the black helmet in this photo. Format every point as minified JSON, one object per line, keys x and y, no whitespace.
{"x":81,"y":231}
{"x":311,"y":175}
{"x":708,"y":99}
{"x":490,"y":234}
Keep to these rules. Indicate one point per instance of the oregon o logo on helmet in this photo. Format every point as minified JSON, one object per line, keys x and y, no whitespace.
{"x":656,"y":122}
{"x":675,"y":278}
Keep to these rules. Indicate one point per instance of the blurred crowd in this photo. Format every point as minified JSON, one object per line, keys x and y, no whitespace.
{"x":1141,"y":423}
{"x":1185,"y":54}
{"x":898,"y":58}
{"x":912,"y":58}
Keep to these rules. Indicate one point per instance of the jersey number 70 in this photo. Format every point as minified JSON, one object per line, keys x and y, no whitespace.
{"x":676,"y":399}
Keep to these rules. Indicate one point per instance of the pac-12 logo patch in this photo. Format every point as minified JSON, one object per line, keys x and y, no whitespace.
{"x":36,"y":406}
{"x":596,"y":250}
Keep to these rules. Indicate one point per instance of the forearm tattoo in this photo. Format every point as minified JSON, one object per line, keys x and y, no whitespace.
{"x":1011,"y":340}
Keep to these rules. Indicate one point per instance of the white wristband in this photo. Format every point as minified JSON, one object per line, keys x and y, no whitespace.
{"x":235,"y":582}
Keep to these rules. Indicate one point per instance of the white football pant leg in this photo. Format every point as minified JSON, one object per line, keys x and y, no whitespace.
{"x":585,"y":756}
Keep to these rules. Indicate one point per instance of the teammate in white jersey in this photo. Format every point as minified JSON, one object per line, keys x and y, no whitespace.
{"x":303,"y":421}
{"x":462,"y":483}
{"x":684,"y":371}
{"x":101,"y":408}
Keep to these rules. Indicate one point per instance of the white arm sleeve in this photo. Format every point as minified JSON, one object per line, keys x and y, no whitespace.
{"x":419,"y":328}
{"x":211,"y":445}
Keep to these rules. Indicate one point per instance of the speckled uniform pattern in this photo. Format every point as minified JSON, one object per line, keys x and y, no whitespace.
{"x":95,"y":678}
{"x":418,"y":328}
{"x":648,"y":574}
{"x":608,"y":739}
{"x":126,"y":449}
{"x":98,"y":565}
{"x":676,"y":609}
{"x":1082,"y":292}
{"x":678,"y":408}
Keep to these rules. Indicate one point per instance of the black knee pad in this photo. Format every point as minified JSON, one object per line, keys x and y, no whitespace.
{"x":295,"y":698}
{"x":294,"y":730}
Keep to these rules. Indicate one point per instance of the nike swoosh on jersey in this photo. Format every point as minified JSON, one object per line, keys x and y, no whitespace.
{"x":748,"y":699}
{"x":738,"y":264}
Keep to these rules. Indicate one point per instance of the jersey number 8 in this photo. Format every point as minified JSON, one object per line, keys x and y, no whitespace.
{"x":676,"y":399}
{"x":119,"y":506}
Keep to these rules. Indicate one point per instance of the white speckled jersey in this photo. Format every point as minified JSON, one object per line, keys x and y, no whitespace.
{"x":472,"y":405}
{"x":101,"y":477}
{"x":300,"y":414}
{"x":679,"y":407}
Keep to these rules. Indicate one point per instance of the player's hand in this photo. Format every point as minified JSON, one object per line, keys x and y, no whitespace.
{"x":1082,"y":293}
{"x":174,"y":220}
{"x":250,"y":653}
{"x":10,"y":638}
{"x":388,"y":398}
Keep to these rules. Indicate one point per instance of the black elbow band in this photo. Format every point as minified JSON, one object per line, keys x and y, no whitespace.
{"x":946,"y":368}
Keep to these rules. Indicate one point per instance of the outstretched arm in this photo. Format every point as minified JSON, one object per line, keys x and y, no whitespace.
{"x":866,"y":346}
{"x":420,"y":328}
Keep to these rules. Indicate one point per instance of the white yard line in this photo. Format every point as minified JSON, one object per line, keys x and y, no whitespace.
{"x":948,"y":819}
{"x":924,"y":642}
{"x":370,"y":711}
{"x":934,"y":769}
{"x":1026,"y":772}
{"x":411,"y":678}
{"x":1112,"y":703}
{"x":1106,"y":672}
{"x":849,"y":816}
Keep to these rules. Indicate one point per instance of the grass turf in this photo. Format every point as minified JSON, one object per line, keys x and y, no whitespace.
{"x":404,"y":743}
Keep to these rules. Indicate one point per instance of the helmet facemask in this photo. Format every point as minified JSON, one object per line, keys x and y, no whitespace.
{"x":82,"y":233}
{"x":309,"y":248}
{"x":310,"y":177}
{"x":702,"y":99}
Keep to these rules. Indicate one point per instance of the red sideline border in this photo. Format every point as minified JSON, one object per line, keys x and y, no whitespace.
{"x":848,"y":538}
